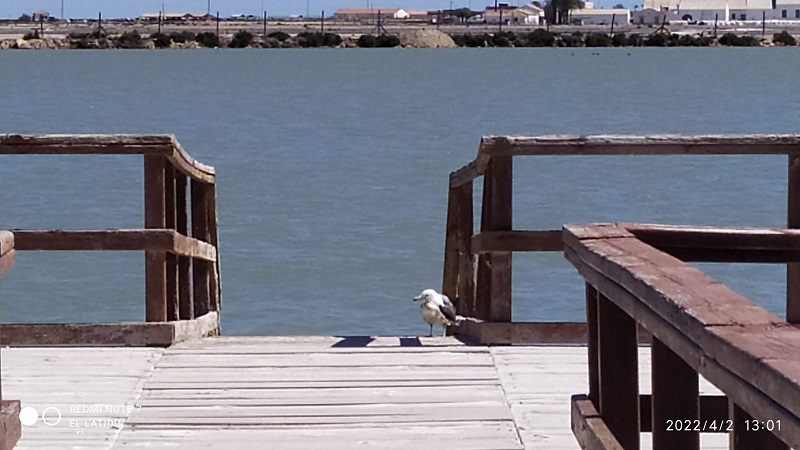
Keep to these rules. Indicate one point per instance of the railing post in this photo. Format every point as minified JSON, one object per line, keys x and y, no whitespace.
{"x":675,"y":397}
{"x":213,"y":276}
{"x":748,"y":434}
{"x":466,"y":260}
{"x":200,"y":268}
{"x":592,"y":344}
{"x":154,"y":217}
{"x":450,"y":273}
{"x":793,"y":221}
{"x":494,"y":268}
{"x":171,"y":216}
{"x":184,"y":262}
{"x":618,"y":372}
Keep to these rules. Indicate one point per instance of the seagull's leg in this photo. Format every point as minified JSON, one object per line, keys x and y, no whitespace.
{"x":444,"y":330}
{"x":430,"y":334}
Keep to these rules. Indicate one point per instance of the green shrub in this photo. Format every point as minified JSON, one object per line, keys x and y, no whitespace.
{"x":241,"y":39}
{"x":597,"y":40}
{"x":182,"y":36}
{"x":635,"y":40}
{"x":366,"y":41}
{"x":207,"y":39}
{"x":657,"y":40}
{"x":541,"y":38}
{"x":279,"y":35}
{"x":161,"y":40}
{"x":130,"y":39}
{"x":620,"y":40}
{"x":318,"y":39}
{"x":732,"y":40}
{"x":31,"y":35}
{"x":387,"y":40}
{"x":784,"y":38}
{"x":570,"y":40}
{"x":504,"y":39}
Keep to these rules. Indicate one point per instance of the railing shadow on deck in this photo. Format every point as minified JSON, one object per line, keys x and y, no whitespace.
{"x":182,"y":284}
{"x":478,"y":267}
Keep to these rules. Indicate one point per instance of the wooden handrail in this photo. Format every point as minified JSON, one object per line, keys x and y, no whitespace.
{"x":484,"y":292}
{"x":699,"y":326}
{"x":181,"y":267}
{"x":10,"y":427}
{"x":110,"y":144}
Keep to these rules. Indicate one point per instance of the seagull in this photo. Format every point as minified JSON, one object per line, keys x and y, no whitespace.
{"x":436,"y":309}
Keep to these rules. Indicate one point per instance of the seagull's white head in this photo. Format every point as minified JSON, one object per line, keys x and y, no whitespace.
{"x":426,"y":295}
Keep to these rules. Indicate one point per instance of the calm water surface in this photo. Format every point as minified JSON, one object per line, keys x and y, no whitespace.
{"x":332,"y":168}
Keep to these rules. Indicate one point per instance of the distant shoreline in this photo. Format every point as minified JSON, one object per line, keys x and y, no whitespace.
{"x":348,"y":35}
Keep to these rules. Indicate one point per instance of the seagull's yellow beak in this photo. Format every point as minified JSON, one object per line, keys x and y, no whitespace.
{"x":416,"y":297}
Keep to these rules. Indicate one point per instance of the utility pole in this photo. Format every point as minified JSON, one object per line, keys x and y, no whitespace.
{"x":322,"y":22}
{"x":308,"y":9}
{"x":217,"y":24}
{"x":62,"y":11}
{"x":265,"y":23}
{"x":159,"y":22}
{"x":208,"y":8}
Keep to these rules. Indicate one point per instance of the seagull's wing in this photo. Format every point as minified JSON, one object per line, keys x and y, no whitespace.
{"x":447,"y":309}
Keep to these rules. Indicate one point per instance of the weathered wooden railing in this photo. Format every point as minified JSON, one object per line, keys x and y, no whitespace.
{"x":698,"y":326}
{"x":182,"y":289}
{"x":485,"y":297}
{"x":10,"y":428}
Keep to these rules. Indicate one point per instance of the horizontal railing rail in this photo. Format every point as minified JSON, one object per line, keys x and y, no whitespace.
{"x":698,"y":327}
{"x":478,"y":266}
{"x":181,"y":264}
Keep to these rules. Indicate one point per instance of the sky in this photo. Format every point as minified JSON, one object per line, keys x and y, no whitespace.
{"x":11,"y":9}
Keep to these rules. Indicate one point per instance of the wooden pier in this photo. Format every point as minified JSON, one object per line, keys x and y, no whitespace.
{"x":664,"y":347}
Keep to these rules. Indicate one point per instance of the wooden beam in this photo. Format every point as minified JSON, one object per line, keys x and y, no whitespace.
{"x":483,"y":291}
{"x":153,"y":240}
{"x":200,"y":268}
{"x":450,"y":271}
{"x":732,"y":375}
{"x":675,"y":397}
{"x":518,"y":241}
{"x":505,"y":333}
{"x":214,"y":283}
{"x":10,"y":427}
{"x":464,"y":175}
{"x":589,"y":428}
{"x":793,"y":221}
{"x":748,"y":434}
{"x":501,"y":173}
{"x":155,"y":273}
{"x":618,"y":372}
{"x":713,"y":408}
{"x":732,"y":144}
{"x":184,"y":262}
{"x":592,"y":340}
{"x":466,"y":259}
{"x":171,"y":216}
{"x":109,"y":144}
{"x":128,"y":334}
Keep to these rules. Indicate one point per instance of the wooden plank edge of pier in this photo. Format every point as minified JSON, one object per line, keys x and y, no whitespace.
{"x":10,"y":427}
{"x":589,"y":428}
{"x":125,"y":334}
{"x":533,"y":333}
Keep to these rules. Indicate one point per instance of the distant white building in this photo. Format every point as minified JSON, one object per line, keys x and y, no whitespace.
{"x":370,"y":14}
{"x":589,"y":15}
{"x":516,"y":16}
{"x":654,"y":11}
{"x":40,"y":14}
